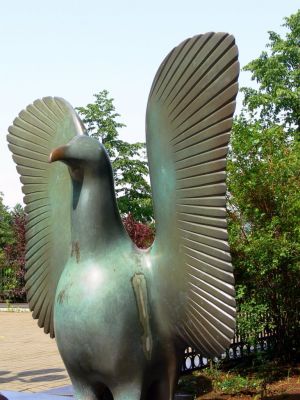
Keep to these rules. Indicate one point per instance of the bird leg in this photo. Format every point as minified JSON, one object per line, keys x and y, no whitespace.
{"x":164,"y":387}
{"x":84,"y":391}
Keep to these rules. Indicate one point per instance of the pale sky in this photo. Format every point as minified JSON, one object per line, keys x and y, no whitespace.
{"x":73,"y":49}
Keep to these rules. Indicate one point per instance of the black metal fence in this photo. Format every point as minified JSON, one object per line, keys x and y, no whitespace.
{"x":239,"y":348}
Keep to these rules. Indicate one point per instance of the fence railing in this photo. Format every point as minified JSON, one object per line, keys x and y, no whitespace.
{"x":239,"y":348}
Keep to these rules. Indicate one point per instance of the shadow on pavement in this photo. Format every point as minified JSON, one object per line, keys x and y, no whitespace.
{"x":38,"y":375}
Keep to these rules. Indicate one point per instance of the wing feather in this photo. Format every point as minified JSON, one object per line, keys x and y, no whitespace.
{"x":43,"y":315}
{"x":28,"y":154}
{"x":189,"y":118}
{"x":37,"y":262}
{"x":22,"y":129}
{"x":47,"y":320}
{"x":38,"y":280}
{"x":37,"y":216}
{"x":44,"y":125}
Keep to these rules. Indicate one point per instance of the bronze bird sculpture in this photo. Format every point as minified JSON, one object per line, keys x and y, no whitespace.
{"x":122,"y":316}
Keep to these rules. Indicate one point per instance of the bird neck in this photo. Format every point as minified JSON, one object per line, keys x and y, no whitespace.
{"x":96,"y":222}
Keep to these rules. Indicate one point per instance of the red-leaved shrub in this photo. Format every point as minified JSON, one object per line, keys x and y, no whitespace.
{"x":141,"y":234}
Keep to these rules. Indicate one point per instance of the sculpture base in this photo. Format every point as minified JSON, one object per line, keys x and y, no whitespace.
{"x":62,"y":393}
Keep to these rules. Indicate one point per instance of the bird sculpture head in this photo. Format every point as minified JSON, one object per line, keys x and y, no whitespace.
{"x":82,"y":153}
{"x":87,"y":161}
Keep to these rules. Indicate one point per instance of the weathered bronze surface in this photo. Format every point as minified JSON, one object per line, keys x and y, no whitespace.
{"x":123,"y":316}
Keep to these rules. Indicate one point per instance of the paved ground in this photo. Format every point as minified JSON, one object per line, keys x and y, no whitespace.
{"x":29,"y":359}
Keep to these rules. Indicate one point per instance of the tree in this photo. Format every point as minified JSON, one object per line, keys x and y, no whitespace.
{"x":15,"y":256}
{"x":6,"y":235}
{"x":12,"y":252}
{"x":263,"y":199}
{"x":128,"y":159}
{"x":278,"y":74}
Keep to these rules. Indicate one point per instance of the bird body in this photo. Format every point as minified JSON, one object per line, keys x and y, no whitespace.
{"x":112,"y":353}
{"x":107,"y":294}
{"x":122,"y":316}
{"x":98,"y":285}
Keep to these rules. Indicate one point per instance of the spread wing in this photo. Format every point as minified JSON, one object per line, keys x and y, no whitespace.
{"x":44,"y":125}
{"x":189,"y":118}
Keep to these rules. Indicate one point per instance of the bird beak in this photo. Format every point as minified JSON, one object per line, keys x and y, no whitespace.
{"x":58,"y":154}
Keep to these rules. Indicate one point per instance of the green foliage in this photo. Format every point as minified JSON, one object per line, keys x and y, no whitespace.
{"x":128,"y":159}
{"x":252,"y":317}
{"x":236,"y":384}
{"x":12,"y":264}
{"x":277,"y":100}
{"x":15,"y":257}
{"x":6,"y":232}
{"x":263,"y":200}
